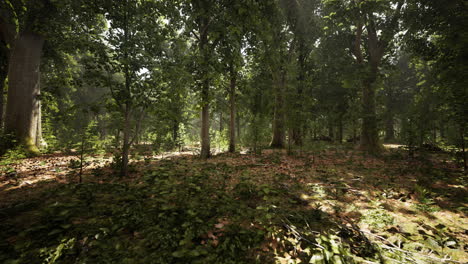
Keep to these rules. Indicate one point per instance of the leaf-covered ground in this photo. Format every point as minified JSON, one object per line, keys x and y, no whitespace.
{"x":331,"y":206}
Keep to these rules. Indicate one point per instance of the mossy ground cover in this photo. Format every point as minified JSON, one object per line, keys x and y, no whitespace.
{"x":332,"y":206}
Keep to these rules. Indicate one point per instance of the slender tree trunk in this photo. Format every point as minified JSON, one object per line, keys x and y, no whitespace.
{"x":278,"y":118}
{"x":205,"y":128}
{"x":221,"y":127}
{"x":83,"y":141}
{"x":340,"y":129}
{"x":389,"y":128}
{"x":442,"y":130}
{"x":4,"y":54}
{"x":126,"y":141}
{"x":3,"y":75}
{"x":463,"y":147}
{"x":331,"y":135}
{"x":354,"y":132}
{"x":23,"y":104}
{"x":127,"y":98}
{"x":205,"y":87}
{"x":238,"y":126}
{"x":175,"y":130}
{"x":232,"y":114}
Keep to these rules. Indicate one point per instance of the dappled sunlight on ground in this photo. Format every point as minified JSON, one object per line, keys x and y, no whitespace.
{"x":393,"y":146}
{"x":388,"y":196}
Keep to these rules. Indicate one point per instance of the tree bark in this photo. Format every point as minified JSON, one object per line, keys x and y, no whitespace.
{"x":221,"y":125}
{"x":238,"y":125}
{"x":331,"y":135}
{"x":205,"y":88}
{"x":205,"y":128}
{"x":4,"y":55}
{"x":175,"y":130}
{"x":23,"y":104}
{"x":463,"y":147}
{"x":376,"y":46}
{"x":369,"y":140}
{"x":340,"y":129}
{"x":232,"y":114}
{"x":3,"y":75}
{"x":278,"y":117}
{"x":297,"y":132}
{"x":389,"y":129}
{"x":126,"y":142}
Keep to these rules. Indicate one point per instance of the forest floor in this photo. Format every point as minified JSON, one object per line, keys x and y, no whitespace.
{"x":336,"y":205}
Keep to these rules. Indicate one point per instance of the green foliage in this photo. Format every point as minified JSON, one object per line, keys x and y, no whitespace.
{"x":13,"y":156}
{"x":377,"y":218}
{"x":426,"y":203}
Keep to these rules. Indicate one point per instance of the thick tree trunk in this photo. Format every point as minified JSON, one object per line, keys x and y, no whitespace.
{"x":369,"y":140}
{"x":369,"y":134}
{"x":278,"y":118}
{"x":39,"y":141}
{"x":232,"y":114}
{"x":297,"y":132}
{"x":23,"y":104}
{"x":7,"y":36}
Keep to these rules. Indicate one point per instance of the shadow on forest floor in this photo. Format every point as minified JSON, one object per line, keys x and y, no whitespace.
{"x":243,"y":208}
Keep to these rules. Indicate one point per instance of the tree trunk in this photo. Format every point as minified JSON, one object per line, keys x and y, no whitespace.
{"x":175,"y":130}
{"x":340,"y":129}
{"x":23,"y":104}
{"x":331,"y":135}
{"x":463,"y":147}
{"x":205,"y":128}
{"x":205,"y":87}
{"x":39,"y":141}
{"x":3,"y":75}
{"x":221,"y":127}
{"x":442,"y":130}
{"x":297,"y":132}
{"x":278,"y":118}
{"x":389,"y":129}
{"x":369,"y":134}
{"x":126,"y":141}
{"x":238,"y":126}
{"x":232,"y":108}
{"x":354,"y":132}
{"x":369,"y":140}
{"x":4,"y":54}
